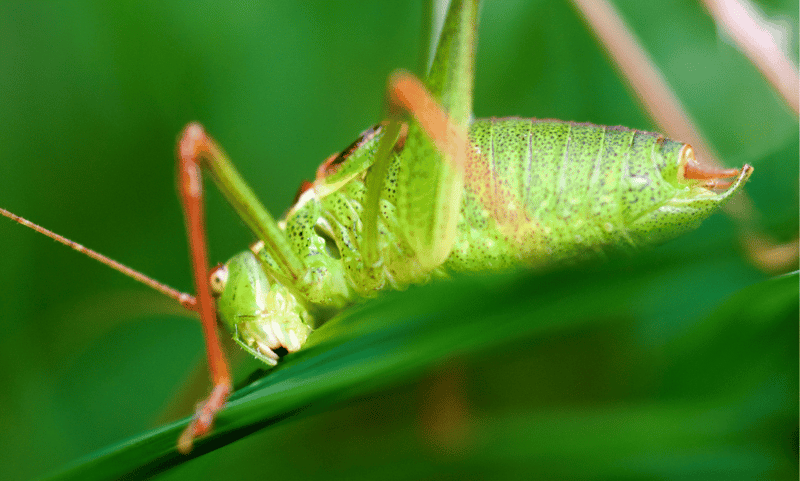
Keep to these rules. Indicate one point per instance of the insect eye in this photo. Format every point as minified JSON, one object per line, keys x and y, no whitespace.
{"x":218,"y":279}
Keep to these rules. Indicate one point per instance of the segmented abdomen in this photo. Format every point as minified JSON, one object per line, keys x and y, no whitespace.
{"x":542,"y":190}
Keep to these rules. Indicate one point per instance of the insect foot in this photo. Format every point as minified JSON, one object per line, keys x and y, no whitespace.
{"x":204,"y":417}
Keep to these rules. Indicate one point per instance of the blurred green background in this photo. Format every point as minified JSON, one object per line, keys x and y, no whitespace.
{"x":93,"y":96}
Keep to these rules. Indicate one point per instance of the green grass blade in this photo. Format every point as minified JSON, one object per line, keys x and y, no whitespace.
{"x":389,"y":340}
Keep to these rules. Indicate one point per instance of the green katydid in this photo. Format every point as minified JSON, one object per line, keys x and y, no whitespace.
{"x":386,"y":213}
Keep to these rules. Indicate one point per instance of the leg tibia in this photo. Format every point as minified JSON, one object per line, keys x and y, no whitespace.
{"x":197,"y":145}
{"x":196,"y":151}
{"x":191,"y":193}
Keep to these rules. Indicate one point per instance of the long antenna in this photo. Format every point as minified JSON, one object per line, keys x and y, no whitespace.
{"x":186,"y":300}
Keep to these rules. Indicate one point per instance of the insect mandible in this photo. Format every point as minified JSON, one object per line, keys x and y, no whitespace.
{"x":387,"y":213}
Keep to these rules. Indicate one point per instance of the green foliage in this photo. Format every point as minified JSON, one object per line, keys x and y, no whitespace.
{"x":681,"y":364}
{"x":719,"y":394}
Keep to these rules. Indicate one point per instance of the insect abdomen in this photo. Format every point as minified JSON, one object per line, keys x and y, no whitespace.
{"x":543,"y":190}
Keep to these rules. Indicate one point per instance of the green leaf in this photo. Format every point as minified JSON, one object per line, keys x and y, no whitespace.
{"x":402,"y":335}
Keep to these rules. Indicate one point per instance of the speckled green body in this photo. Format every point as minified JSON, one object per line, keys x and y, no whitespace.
{"x":581,"y":189}
{"x":390,"y":212}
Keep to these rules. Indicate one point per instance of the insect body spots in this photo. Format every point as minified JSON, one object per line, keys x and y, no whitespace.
{"x":553,"y":189}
